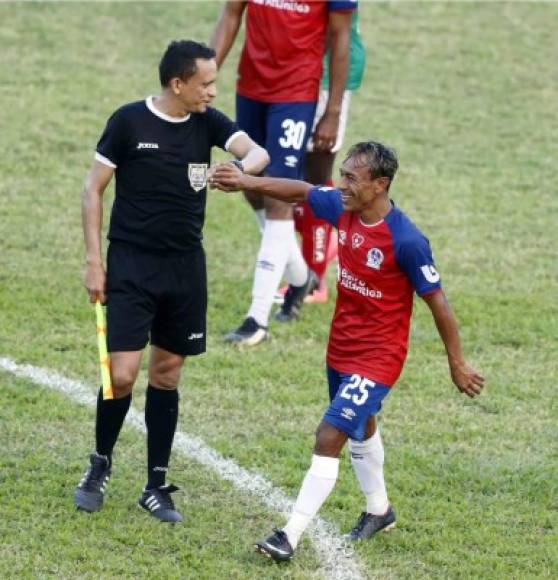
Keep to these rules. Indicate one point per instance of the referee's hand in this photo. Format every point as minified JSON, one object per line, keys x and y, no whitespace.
{"x":94,"y":280}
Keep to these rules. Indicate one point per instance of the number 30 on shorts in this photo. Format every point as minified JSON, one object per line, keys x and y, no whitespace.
{"x":360,"y":383}
{"x":294,"y":134}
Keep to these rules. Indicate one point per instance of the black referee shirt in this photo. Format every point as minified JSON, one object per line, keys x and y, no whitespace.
{"x":161,"y":164}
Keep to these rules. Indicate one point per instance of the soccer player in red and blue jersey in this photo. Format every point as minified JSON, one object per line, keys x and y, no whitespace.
{"x":277,"y":91}
{"x":383,"y":260}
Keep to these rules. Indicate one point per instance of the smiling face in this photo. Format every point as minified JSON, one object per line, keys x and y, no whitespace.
{"x":197,"y":91}
{"x":358,"y":188}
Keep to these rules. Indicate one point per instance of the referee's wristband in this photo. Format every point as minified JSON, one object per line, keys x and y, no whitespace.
{"x":237,"y":163}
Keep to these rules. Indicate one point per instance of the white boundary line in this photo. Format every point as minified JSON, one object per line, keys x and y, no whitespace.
{"x":338,"y":560}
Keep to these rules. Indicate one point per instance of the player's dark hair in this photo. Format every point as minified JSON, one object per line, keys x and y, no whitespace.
{"x":179,"y":60}
{"x":381,"y":160}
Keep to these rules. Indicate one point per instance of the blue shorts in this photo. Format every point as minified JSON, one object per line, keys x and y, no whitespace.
{"x":282,"y":129}
{"x":354,"y":399}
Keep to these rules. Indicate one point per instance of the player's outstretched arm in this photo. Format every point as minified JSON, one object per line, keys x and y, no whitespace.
{"x":92,"y":220}
{"x":227,"y":177}
{"x":464,"y":376}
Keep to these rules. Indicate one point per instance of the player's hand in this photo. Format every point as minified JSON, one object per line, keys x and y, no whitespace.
{"x":226,"y":177}
{"x":94,"y":280}
{"x":211,"y":171}
{"x":325,"y":133}
{"x":466,"y":378}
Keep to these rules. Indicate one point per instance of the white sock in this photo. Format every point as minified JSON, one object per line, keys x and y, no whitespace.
{"x":296,"y":271}
{"x":368,"y":462}
{"x":260,"y":218}
{"x":272,"y":258}
{"x":316,"y":487}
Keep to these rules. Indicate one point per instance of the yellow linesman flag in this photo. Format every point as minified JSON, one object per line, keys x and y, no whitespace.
{"x":104,"y":359}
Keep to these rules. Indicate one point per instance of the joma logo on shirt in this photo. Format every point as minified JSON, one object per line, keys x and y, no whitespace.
{"x":147,"y":146}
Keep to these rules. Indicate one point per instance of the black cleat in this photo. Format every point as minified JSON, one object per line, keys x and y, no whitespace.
{"x":369,"y":524}
{"x":276,"y":547}
{"x":249,"y":333}
{"x":90,"y":491}
{"x":159,"y":504}
{"x":294,"y":298}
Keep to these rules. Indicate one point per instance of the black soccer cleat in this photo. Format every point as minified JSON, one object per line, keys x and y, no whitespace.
{"x":249,"y":333}
{"x":159,"y":504}
{"x":294,"y":298}
{"x":369,"y":524}
{"x":276,"y":547}
{"x":90,"y":491}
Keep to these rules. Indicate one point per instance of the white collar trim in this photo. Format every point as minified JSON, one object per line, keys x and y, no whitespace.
{"x":151,"y":106}
{"x":370,"y":225}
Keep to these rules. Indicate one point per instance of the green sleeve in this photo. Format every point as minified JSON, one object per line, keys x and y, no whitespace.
{"x":357,"y":59}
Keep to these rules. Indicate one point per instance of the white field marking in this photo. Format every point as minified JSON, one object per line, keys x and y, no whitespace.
{"x":337,"y":558}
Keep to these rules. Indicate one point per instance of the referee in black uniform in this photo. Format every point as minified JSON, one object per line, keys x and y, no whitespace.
{"x":155,"y":283}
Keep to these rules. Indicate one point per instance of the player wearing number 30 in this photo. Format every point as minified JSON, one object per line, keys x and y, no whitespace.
{"x":383,"y":260}
{"x":277,"y":91}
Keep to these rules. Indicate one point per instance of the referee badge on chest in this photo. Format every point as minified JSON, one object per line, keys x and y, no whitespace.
{"x":197,"y":174}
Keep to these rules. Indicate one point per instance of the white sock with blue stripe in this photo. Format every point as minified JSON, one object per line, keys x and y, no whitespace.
{"x":275,"y":249}
{"x":317,"y":485}
{"x":368,"y":462}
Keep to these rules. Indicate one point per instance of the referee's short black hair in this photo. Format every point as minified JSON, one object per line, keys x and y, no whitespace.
{"x":179,"y":60}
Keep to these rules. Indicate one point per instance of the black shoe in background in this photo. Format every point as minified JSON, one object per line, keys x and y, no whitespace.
{"x":294,"y":298}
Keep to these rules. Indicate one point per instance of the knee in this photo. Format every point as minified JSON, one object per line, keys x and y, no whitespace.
{"x":165,"y":375}
{"x":123,"y":380}
{"x":278,"y":210}
{"x":329,"y":441}
{"x":254,"y":200}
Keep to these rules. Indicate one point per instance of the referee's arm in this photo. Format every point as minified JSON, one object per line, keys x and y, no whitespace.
{"x":96,"y":182}
{"x":253,"y":157}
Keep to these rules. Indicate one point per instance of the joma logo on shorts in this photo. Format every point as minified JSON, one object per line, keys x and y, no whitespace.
{"x":147,"y":146}
{"x":195,"y":335}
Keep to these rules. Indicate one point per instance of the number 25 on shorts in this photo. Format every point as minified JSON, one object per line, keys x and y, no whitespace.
{"x":359,"y":384}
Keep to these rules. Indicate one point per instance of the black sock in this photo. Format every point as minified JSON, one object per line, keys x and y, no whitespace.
{"x":110,"y":416}
{"x":161,"y":416}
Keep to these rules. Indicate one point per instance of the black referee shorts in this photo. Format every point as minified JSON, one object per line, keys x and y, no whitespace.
{"x":156,"y":297}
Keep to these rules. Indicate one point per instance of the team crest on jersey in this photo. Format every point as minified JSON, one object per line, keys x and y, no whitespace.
{"x":357,"y":240}
{"x":374,"y":258}
{"x":197,"y":174}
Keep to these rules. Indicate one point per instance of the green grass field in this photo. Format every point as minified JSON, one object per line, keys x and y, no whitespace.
{"x":467,"y":93}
